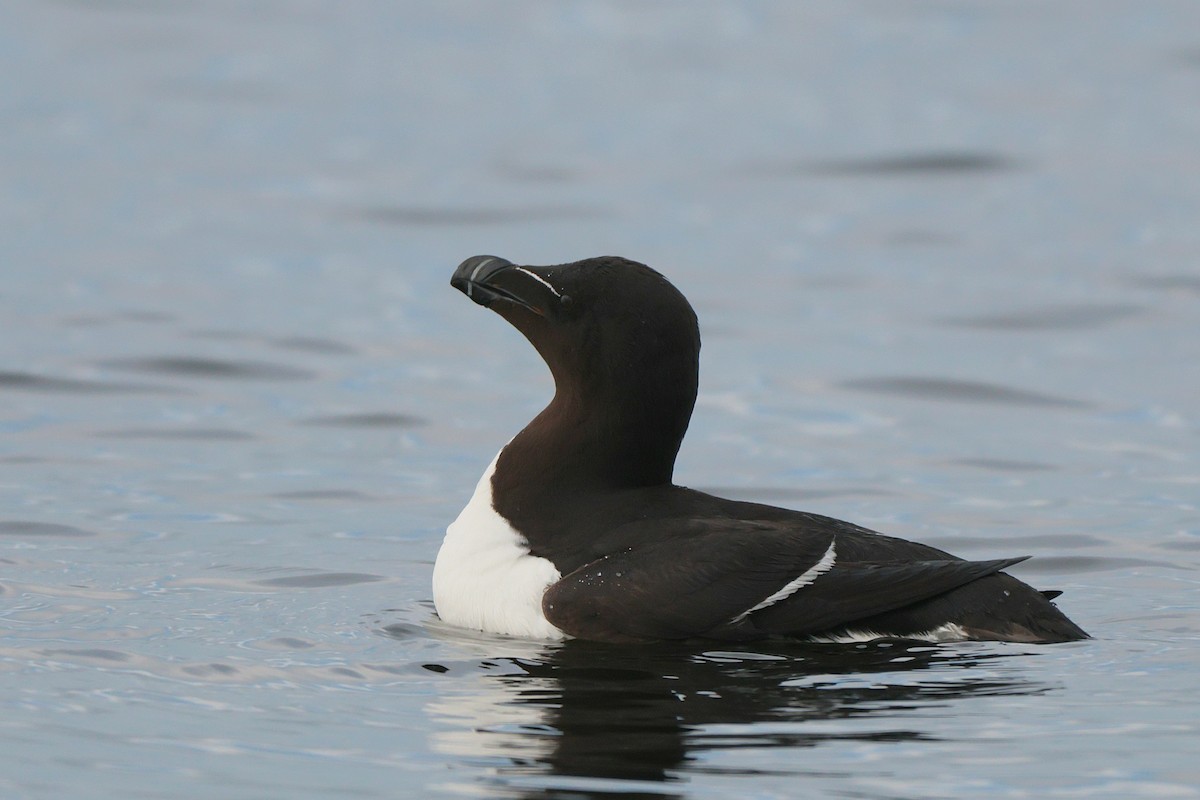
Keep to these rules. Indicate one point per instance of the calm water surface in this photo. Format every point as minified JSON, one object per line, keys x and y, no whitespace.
{"x":947,"y":263}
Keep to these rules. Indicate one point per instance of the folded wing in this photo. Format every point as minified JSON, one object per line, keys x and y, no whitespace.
{"x":739,"y":579}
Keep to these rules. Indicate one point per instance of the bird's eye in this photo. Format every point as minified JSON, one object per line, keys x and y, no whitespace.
{"x":565,"y":300}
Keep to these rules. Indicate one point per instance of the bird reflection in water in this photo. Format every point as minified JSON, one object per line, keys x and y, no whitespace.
{"x":595,"y":719}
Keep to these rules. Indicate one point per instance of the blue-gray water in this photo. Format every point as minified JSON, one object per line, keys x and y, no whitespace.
{"x":946,"y":257}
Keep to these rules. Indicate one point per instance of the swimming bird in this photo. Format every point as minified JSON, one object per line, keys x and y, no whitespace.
{"x":576,"y":528}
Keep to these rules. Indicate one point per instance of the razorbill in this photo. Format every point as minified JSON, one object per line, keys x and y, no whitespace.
{"x":577,"y":530}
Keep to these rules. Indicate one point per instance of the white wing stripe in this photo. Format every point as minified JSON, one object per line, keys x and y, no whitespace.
{"x":811,"y":574}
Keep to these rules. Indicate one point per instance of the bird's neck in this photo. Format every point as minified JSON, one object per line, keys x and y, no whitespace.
{"x":594,"y":438}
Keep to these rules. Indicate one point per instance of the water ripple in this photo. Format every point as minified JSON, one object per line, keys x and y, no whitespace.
{"x":196,"y":367}
{"x":453,"y":217}
{"x":313,"y":344}
{"x":381,"y":419}
{"x":1067,"y":317}
{"x":325,"y":494}
{"x":1182,"y":283}
{"x":931,"y":164}
{"x":1076,"y":564}
{"x":318,"y":345}
{"x":179,"y":434}
{"x":1003,"y":465}
{"x":31,"y":382}
{"x":22,"y":528}
{"x":945,"y":389}
{"x":320,"y":580}
{"x":97,"y":654}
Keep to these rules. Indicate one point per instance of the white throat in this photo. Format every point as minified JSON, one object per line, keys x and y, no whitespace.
{"x":485,"y":578}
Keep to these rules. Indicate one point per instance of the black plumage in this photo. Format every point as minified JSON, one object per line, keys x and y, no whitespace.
{"x":588,"y":485}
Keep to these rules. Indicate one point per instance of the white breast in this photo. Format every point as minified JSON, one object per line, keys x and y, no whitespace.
{"x":485,"y":578}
